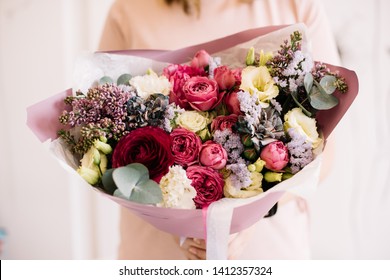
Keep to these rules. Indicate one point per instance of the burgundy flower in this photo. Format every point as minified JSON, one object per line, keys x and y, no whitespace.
{"x":150,"y":146}
{"x":185,"y":146}
{"x":208,"y":184}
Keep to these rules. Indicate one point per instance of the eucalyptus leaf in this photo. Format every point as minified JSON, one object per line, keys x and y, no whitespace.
{"x":105,"y":80}
{"x":124,"y":79}
{"x":108,"y":182}
{"x":308,"y":82}
{"x":320,"y":100}
{"x":328,"y":83}
{"x":147,"y":192}
{"x":126,"y":178}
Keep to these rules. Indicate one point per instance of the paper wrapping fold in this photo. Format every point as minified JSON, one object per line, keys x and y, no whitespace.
{"x":226,"y":216}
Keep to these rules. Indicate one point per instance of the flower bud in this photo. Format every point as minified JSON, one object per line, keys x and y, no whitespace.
{"x":286,"y":176}
{"x":273,"y":176}
{"x":250,"y":154}
{"x":259,"y":164}
{"x":252,"y":167}
{"x":204,"y":134}
{"x":90,"y":175}
{"x":103,"y":147}
{"x":246,"y":140}
{"x":250,"y":57}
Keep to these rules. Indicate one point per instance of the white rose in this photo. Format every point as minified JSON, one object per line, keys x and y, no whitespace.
{"x":177,"y":190}
{"x":258,"y":81}
{"x":151,"y":84}
{"x":193,"y":120}
{"x":304,"y":125}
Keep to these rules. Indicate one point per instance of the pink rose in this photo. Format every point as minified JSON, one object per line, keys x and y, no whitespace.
{"x":208,"y":184}
{"x":148,"y":145}
{"x":275,"y":155}
{"x":213,"y":155}
{"x":178,"y":74}
{"x":201,"y":59}
{"x":232,"y":103}
{"x":186,"y":146}
{"x":224,"y":122}
{"x":202,"y":93}
{"x":227,"y":78}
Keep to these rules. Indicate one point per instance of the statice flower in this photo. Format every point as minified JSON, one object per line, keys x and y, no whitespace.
{"x":300,"y":151}
{"x":240,"y":177}
{"x":214,"y":62}
{"x":231,"y":142}
{"x":171,"y":112}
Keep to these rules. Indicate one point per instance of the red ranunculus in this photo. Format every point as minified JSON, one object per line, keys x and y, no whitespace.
{"x":202,"y":93}
{"x":185,"y":146}
{"x":224,"y":122}
{"x":150,"y":146}
{"x":208,"y":184}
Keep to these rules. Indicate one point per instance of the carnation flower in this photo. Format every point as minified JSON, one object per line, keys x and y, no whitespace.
{"x":177,"y":190}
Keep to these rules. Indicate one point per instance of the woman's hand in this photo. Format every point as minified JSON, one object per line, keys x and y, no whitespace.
{"x":193,"y":248}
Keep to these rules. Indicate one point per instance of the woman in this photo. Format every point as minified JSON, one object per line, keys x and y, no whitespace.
{"x":173,"y":24}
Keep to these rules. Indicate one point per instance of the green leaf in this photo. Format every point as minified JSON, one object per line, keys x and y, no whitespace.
{"x":320,"y":100}
{"x":105,"y":80}
{"x":147,"y":192}
{"x":123,"y":79}
{"x":134,"y":184}
{"x":108,"y":182}
{"x":308,"y":82}
{"x":328,"y":83}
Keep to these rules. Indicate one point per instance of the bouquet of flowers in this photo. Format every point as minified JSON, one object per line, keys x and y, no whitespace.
{"x":171,"y":140}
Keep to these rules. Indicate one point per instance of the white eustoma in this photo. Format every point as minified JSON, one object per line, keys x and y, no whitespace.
{"x":177,"y":190}
{"x":303,"y":125}
{"x":151,"y":83}
{"x":258,"y":81}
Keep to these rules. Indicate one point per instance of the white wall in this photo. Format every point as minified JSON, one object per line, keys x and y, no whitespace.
{"x":50,"y":216}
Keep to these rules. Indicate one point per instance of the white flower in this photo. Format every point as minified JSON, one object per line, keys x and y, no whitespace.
{"x":193,"y":120}
{"x":258,"y":81}
{"x":151,"y":83}
{"x":303,"y":125}
{"x":177,"y":190}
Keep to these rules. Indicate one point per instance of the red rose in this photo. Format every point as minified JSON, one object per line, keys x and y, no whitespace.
{"x":208,"y":184}
{"x":178,"y":74}
{"x":150,"y":146}
{"x":202,"y":93}
{"x":185,"y":146}
{"x":232,"y":103}
{"x":227,"y":78}
{"x":224,"y":122}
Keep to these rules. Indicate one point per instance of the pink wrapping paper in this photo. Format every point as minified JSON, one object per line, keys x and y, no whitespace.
{"x":42,"y":118}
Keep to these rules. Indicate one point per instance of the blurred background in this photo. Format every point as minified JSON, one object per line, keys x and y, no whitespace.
{"x":47,"y":214}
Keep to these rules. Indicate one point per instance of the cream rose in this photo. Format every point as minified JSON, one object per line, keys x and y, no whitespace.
{"x":304,"y":125}
{"x":257,"y":80}
{"x":177,"y":190}
{"x":149,"y":84}
{"x":193,"y":120}
{"x":253,"y":189}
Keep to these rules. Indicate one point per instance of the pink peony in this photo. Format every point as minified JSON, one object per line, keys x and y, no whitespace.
{"x":208,"y":184}
{"x":275,"y":155}
{"x":213,"y":155}
{"x":224,"y":122}
{"x":186,"y":146}
{"x":201,"y":59}
{"x":201,"y":93}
